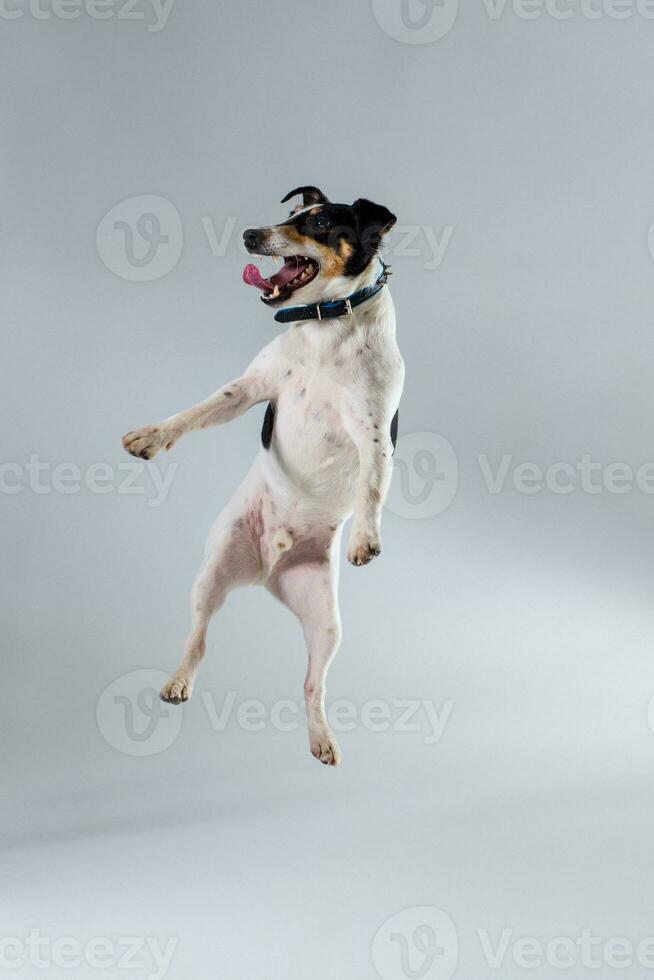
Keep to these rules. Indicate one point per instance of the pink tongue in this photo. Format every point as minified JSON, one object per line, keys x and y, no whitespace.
{"x":288,"y":271}
{"x":253,"y":277}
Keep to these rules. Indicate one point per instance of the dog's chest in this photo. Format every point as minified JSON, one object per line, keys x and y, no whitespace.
{"x":307,"y":424}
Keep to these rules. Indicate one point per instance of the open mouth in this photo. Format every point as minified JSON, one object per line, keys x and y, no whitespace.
{"x":297,"y":271}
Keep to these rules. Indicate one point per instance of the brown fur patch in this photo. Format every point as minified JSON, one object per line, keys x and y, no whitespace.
{"x":332,"y":263}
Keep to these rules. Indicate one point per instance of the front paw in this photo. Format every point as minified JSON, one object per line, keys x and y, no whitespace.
{"x":364,"y":546}
{"x":146,"y":442}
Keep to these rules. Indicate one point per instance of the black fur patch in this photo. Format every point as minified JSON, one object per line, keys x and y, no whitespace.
{"x":268,"y":425}
{"x":310,"y":195}
{"x":360,"y":226}
{"x":394,"y":425}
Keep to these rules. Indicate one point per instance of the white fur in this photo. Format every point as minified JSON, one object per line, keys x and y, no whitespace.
{"x":335,"y":385}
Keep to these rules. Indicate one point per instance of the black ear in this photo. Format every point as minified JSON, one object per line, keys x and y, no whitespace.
{"x":310,"y":195}
{"x":372,"y":220}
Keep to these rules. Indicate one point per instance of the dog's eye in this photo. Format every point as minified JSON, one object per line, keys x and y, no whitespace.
{"x":321,"y":221}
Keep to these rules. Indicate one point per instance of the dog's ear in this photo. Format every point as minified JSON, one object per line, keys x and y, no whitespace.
{"x":310,"y":195}
{"x":373,"y":221}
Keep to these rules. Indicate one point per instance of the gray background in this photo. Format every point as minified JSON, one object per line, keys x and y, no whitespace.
{"x":532,"y":614}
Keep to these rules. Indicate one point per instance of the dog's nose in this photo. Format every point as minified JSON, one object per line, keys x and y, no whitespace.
{"x":252,"y":238}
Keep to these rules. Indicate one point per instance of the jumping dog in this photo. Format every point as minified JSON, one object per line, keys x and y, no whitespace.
{"x":332,"y":382}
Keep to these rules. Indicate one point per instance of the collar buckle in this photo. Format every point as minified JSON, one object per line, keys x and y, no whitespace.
{"x":346,"y":312}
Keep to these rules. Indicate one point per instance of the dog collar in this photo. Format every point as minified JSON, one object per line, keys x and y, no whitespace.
{"x":333,"y":307}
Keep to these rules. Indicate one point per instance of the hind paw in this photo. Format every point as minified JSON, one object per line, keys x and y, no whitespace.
{"x":176,"y":690}
{"x":324,"y":747}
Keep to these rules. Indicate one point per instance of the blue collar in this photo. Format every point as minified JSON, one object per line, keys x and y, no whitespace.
{"x":333,"y":307}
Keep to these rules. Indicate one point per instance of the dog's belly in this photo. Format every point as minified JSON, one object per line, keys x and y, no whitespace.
{"x":311,"y":447}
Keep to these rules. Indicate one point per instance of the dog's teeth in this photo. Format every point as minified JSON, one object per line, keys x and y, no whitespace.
{"x":275,"y":292}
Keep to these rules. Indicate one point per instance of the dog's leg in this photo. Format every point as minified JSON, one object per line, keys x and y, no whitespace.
{"x":309,"y":589}
{"x":258,"y":384}
{"x":368,"y":416}
{"x":226,"y":404}
{"x":375,"y":470}
{"x":231,"y":560}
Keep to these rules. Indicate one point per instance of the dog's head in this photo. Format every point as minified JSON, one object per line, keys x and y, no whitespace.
{"x":324,"y":247}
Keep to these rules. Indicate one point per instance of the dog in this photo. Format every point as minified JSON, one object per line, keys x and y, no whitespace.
{"x":332,"y":382}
